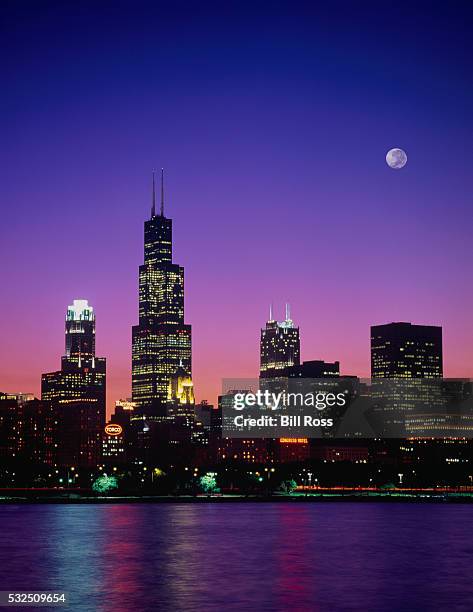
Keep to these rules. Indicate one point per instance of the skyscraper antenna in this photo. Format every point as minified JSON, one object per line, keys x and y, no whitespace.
{"x":162,"y":192}
{"x":153,"y":207}
{"x":288,"y":312}
{"x":271,"y":312}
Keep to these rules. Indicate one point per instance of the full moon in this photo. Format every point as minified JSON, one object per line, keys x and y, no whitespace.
{"x":396,"y":158}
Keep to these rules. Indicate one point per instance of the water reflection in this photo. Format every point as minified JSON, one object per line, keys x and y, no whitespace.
{"x":242,"y":556}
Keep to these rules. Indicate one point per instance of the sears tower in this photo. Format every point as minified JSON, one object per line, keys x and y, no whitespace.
{"x":161,"y":342}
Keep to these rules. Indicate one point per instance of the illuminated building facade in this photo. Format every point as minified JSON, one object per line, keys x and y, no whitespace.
{"x":255,"y":450}
{"x":184,"y":426}
{"x":181,"y":388}
{"x":114,"y":444}
{"x":26,"y":429}
{"x":234,"y":449}
{"x":77,"y":391}
{"x":80,"y":329}
{"x":180,"y":400}
{"x":161,"y":341}
{"x":289,"y":450}
{"x":8,"y":425}
{"x":119,"y":440}
{"x":279,"y":346}
{"x":403,"y":350}
{"x":404,"y":360}
{"x":36,"y":431}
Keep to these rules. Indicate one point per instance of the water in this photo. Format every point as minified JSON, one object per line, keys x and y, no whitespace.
{"x":242,"y":556}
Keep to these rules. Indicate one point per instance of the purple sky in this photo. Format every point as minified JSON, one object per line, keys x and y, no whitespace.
{"x":272,"y":128}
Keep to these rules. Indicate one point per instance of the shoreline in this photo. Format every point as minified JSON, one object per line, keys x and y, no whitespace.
{"x":190,"y":499}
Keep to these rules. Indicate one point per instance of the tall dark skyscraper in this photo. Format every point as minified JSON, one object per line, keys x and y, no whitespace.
{"x":77,"y":391}
{"x":161,"y":342}
{"x":403,"y":350}
{"x":279,"y":346}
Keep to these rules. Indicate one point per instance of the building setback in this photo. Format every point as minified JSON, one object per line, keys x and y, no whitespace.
{"x":279,"y":347}
{"x":161,"y":341}
{"x":76,"y":392}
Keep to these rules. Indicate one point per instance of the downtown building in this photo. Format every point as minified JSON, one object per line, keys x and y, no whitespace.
{"x":76,"y":392}
{"x":404,"y":350}
{"x":431,"y":407}
{"x":280,"y":353}
{"x":406,"y":365}
{"x":281,"y":370}
{"x":280,"y":356}
{"x":161,"y":342}
{"x":279,"y":347}
{"x":118,"y":441}
{"x":27,"y":443}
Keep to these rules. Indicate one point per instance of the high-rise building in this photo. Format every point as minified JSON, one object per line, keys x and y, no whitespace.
{"x":279,"y":346}
{"x":77,"y":391}
{"x":26,"y":430}
{"x":405,"y":361}
{"x":403,"y":350}
{"x":161,"y":341}
{"x":8,"y":425}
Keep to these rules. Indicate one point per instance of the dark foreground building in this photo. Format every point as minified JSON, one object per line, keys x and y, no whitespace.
{"x":76,"y":392}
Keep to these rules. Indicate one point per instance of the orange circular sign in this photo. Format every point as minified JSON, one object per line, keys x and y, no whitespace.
{"x":112,"y":429}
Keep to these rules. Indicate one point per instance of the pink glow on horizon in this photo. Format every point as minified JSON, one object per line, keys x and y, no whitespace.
{"x":272,"y":127}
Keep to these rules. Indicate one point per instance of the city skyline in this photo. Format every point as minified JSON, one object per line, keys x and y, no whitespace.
{"x":273,"y":134}
{"x":162,"y":232}
{"x":236,"y":307}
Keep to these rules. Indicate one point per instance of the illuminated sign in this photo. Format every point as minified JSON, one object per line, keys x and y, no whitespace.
{"x":293,"y":440}
{"x":112,"y":429}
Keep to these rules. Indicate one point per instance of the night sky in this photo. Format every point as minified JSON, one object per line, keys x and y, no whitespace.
{"x":272,"y":121}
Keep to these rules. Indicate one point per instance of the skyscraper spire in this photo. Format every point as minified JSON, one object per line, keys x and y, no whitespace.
{"x":153,"y":207}
{"x":161,"y":340}
{"x":271,"y":312}
{"x":288,"y":312}
{"x":162,"y":192}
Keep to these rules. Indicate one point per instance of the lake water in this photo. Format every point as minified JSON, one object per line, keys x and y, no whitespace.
{"x":242,"y":556}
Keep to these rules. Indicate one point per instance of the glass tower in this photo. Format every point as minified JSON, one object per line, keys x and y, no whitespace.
{"x":161,"y":341}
